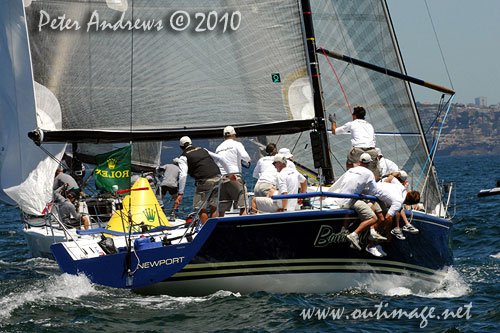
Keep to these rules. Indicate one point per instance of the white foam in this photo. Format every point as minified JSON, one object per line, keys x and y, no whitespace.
{"x":452,"y":285}
{"x":164,"y":302}
{"x":55,"y":287}
{"x":497,"y":256}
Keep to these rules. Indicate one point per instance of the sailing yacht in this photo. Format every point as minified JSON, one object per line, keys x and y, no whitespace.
{"x":262,"y":68}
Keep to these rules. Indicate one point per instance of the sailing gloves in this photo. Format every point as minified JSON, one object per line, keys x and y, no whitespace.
{"x":332,"y":118}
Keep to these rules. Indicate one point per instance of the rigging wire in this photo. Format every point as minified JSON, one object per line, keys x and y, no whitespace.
{"x":438,"y":114}
{"x":50,"y":155}
{"x":336,"y":159}
{"x":345,"y":96}
{"x":338,"y":80}
{"x":435,"y":141}
{"x":439,"y":44}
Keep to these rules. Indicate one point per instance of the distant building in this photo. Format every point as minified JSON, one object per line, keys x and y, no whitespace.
{"x":481,"y":101}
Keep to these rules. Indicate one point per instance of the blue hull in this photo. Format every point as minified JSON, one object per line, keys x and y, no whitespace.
{"x":294,"y":243}
{"x":154,"y":264}
{"x":311,"y":242}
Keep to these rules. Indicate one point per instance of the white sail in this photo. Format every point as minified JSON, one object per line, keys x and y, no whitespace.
{"x":149,"y":80}
{"x":26,"y":172}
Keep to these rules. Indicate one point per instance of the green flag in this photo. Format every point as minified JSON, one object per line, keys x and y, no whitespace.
{"x":113,"y":169}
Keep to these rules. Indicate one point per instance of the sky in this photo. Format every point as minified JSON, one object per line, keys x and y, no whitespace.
{"x":469,"y":34}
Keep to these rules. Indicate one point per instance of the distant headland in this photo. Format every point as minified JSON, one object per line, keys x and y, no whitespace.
{"x":469,"y":129}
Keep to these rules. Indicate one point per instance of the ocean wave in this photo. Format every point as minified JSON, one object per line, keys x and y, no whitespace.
{"x":497,"y":256}
{"x":172,"y":302}
{"x":451,"y":286}
{"x":55,"y":288}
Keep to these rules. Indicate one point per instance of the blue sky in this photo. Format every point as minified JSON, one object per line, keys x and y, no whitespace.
{"x":469,"y":33}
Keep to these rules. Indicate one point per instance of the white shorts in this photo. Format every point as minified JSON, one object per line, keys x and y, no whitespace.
{"x":267,"y":205}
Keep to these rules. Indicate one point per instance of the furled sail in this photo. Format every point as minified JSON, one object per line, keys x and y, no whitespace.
{"x":250,"y":69}
{"x":24,"y":168}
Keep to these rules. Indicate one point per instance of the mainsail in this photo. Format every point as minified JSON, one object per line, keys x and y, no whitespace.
{"x":161,"y":84}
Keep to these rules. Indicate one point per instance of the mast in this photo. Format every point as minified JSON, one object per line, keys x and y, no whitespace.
{"x":319,"y":137}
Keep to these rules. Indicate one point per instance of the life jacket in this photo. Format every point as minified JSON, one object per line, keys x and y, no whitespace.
{"x":200,"y":163}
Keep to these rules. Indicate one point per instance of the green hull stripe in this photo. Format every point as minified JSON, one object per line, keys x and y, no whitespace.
{"x":305,"y":261}
{"x":362,"y":268}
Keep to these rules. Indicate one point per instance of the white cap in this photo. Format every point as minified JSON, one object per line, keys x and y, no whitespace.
{"x":229,"y":130}
{"x":280,"y":158}
{"x":403,"y":175}
{"x":379,"y":152}
{"x":365,"y":158}
{"x":175,"y":161}
{"x":286,"y":152}
{"x":185,"y":141}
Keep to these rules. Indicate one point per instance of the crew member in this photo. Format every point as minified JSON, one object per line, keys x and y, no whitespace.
{"x":354,"y":181}
{"x":68,"y":214}
{"x":199,"y":163}
{"x":265,"y":172}
{"x":290,"y":181}
{"x":362,"y":139}
{"x":234,"y":154}
{"x":65,"y":183}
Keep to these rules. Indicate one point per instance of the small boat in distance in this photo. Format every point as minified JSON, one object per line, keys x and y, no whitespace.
{"x":491,"y":191}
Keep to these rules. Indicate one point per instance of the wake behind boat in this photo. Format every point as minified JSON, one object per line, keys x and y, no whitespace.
{"x":263,"y":78}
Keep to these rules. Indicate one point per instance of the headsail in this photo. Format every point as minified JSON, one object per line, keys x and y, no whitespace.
{"x":362,"y":29}
{"x":24,"y":168}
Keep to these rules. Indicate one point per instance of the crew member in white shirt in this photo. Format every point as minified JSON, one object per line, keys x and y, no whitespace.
{"x":265,"y":172}
{"x":233,"y":153}
{"x":290,"y":181}
{"x":362,"y":138}
{"x":354,"y":181}
{"x":386,"y":166}
{"x":288,"y":154}
{"x":394,"y":196}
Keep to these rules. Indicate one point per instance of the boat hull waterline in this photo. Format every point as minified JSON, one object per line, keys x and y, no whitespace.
{"x":298,"y":247}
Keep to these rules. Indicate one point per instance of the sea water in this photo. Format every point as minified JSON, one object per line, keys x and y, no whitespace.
{"x":35,"y":296}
